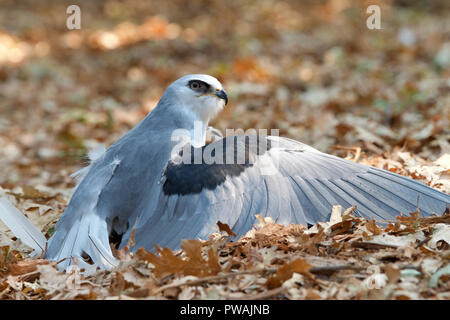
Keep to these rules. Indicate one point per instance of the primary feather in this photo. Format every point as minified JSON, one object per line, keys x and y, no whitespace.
{"x":22,"y":227}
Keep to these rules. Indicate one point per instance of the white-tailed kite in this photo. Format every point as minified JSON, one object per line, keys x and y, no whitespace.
{"x":144,"y":182}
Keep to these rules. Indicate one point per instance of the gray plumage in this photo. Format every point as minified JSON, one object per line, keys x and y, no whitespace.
{"x":137,"y":184}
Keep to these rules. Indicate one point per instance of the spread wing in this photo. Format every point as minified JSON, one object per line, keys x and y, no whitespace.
{"x":81,"y":232}
{"x":279,"y":178}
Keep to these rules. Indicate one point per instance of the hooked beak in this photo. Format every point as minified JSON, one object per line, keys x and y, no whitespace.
{"x":222,"y":95}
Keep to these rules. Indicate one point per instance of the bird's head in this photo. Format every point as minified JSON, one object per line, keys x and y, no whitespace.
{"x":199,"y":94}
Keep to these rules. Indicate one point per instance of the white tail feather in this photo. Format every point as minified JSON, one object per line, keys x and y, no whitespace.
{"x":22,"y":227}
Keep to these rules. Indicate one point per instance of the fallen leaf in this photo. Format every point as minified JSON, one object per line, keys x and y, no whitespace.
{"x":25,"y":266}
{"x":286,"y":271}
{"x":226,"y":228}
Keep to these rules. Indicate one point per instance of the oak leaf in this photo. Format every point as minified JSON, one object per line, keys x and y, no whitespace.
{"x":286,"y":271}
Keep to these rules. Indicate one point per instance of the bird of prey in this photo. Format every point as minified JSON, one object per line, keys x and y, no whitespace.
{"x":153,"y":180}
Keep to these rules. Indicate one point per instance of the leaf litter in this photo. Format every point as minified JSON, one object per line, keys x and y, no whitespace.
{"x":345,"y":258}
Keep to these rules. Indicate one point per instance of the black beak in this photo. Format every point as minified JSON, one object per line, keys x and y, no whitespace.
{"x":222,"y":95}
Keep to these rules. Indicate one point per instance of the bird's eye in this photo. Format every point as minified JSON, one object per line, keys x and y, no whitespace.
{"x":198,"y":86}
{"x":195,"y":85}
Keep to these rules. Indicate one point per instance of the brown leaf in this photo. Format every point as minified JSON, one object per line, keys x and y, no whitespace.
{"x":432,"y":219}
{"x":30,"y":192}
{"x":393,"y":274}
{"x":25,"y":266}
{"x":312,"y":294}
{"x":166,"y":263}
{"x":341,"y":227}
{"x":373,"y":228}
{"x":193,"y":249}
{"x":390,"y":227}
{"x":194,"y":264}
{"x":226,"y":228}
{"x":139,"y":293}
{"x":311,"y":244}
{"x":118,"y":284}
{"x":213,"y":261}
{"x":4,"y":254}
{"x":286,"y":271}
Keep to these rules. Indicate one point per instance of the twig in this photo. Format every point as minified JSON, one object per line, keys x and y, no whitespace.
{"x":370,"y":146}
{"x":427,"y":220}
{"x":357,"y":151}
{"x":27,"y":276}
{"x":372,"y":245}
{"x":327,"y":270}
{"x":4,"y":291}
{"x":421,"y":243}
{"x":212,"y":278}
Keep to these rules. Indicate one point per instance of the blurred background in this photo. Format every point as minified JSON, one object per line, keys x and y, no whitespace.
{"x":309,"y":68}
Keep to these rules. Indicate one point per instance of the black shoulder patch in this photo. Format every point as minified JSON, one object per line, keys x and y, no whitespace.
{"x":238,"y":153}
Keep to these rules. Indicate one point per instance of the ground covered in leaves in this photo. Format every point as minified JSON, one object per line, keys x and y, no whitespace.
{"x":345,"y":258}
{"x":309,"y":68}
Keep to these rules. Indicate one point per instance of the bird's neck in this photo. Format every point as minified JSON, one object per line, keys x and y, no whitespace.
{"x":187,"y":123}
{"x":198,"y":134}
{"x":192,"y":126}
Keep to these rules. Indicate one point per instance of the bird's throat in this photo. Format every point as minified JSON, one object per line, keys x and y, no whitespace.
{"x":198,"y":134}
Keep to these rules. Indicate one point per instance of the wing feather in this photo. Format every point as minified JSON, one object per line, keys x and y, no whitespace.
{"x":304,"y":188}
{"x":22,"y":227}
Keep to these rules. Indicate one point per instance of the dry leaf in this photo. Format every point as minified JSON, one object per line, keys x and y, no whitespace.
{"x":26,"y":266}
{"x":286,"y":271}
{"x":226,"y":228}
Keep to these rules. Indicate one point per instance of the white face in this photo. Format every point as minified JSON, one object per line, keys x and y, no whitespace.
{"x":200,"y":94}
